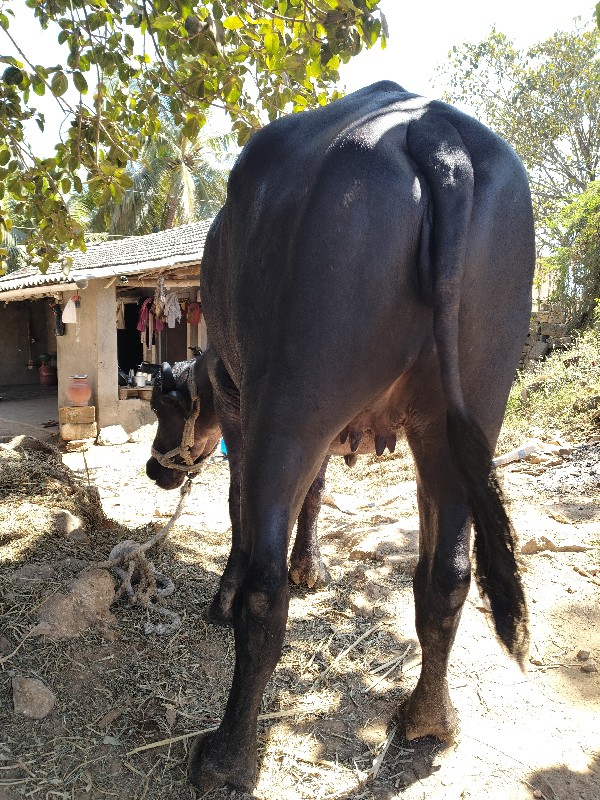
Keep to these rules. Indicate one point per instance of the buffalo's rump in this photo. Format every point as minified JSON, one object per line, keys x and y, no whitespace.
{"x":319,"y":274}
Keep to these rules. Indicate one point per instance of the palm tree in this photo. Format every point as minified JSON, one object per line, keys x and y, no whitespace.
{"x":175,"y":181}
{"x":12,"y":251}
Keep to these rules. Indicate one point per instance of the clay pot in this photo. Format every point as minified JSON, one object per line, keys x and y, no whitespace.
{"x":47,"y":375}
{"x":78,"y":390}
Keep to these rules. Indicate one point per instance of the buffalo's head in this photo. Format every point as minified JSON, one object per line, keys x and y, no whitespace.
{"x":176,"y":401}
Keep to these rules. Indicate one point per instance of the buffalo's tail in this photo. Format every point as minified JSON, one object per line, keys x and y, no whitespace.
{"x":496,"y":569}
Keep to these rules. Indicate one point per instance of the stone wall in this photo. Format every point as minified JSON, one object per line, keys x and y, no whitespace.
{"x":547,"y":332}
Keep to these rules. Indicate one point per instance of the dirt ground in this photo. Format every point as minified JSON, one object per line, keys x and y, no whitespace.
{"x":127,"y":704}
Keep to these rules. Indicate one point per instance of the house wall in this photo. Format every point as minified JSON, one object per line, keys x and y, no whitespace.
{"x":16,"y":350}
{"x":90,"y":348}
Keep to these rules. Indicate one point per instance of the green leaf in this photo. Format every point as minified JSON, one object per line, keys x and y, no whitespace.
{"x":59,"y":84}
{"x":39,"y":87}
{"x":271,"y":41}
{"x":233,"y":23}
{"x":13,"y":76}
{"x":164,"y":22}
{"x":191,"y":128}
{"x":80,"y":82}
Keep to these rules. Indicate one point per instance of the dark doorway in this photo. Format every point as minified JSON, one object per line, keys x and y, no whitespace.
{"x":129,"y":344}
{"x":175,"y":340}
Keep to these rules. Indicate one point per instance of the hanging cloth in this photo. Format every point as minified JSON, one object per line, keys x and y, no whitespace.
{"x":69,"y":314}
{"x":160,"y":298}
{"x":143,"y":317}
{"x":194,"y":312}
{"x":172,"y":310}
{"x":120,"y":315}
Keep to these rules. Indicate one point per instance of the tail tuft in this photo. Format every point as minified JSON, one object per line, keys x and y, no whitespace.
{"x":496,"y":570}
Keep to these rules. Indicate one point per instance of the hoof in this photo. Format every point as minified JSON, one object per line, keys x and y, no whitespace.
{"x":418,"y":720}
{"x":313,"y":575}
{"x":212,"y":764}
{"x":217,"y":615}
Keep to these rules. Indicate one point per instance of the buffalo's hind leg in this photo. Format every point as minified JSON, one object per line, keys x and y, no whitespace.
{"x":441,"y":580}
{"x":306,"y":565}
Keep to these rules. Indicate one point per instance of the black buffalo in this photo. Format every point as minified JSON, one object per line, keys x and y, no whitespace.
{"x":369,"y":274}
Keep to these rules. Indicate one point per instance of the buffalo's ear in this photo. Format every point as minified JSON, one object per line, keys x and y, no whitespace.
{"x":168,"y":401}
{"x":167,"y":378}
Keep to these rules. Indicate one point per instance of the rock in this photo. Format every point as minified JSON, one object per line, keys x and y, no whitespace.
{"x":77,"y":432}
{"x":112,"y":435}
{"x":32,"y":698}
{"x":78,"y":445}
{"x":87,"y":604}
{"x":583,"y":655}
{"x":589,"y":666}
{"x":6,"y":646}
{"x":66,"y":523}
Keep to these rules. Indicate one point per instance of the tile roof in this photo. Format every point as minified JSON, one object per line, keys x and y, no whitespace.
{"x":128,"y":256}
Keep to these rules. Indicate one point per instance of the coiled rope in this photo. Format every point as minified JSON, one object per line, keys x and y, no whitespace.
{"x":140,"y":581}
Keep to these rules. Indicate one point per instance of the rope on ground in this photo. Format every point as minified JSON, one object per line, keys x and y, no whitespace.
{"x":140,"y":581}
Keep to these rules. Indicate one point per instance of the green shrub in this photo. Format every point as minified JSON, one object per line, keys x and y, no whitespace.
{"x":559,"y":396}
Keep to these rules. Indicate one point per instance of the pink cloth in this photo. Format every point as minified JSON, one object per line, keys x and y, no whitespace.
{"x":143,"y":317}
{"x":194,"y":312}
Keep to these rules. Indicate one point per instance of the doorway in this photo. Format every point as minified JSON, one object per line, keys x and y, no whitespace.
{"x":129,"y":344}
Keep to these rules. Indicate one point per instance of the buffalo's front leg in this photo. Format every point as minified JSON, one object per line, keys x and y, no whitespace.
{"x":306,"y":565}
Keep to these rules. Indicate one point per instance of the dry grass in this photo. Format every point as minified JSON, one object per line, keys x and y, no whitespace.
{"x":128,"y":704}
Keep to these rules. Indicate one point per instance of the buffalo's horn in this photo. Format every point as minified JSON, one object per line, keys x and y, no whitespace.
{"x":168,"y":379}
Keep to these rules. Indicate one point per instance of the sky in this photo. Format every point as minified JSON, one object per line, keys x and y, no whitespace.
{"x":420,"y":36}
{"x":422,"y":33}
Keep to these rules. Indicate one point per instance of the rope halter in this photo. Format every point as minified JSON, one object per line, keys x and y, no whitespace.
{"x":184,"y":449}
